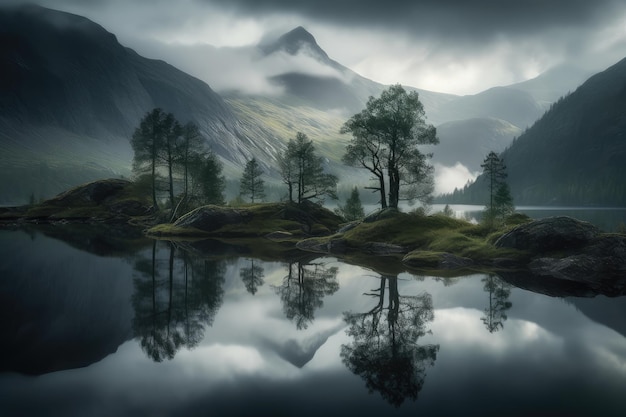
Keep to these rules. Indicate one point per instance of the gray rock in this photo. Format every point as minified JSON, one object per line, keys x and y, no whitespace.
{"x":210,"y":218}
{"x":348,"y":226}
{"x":602,"y":260}
{"x":548,"y":235}
{"x":334,"y":246}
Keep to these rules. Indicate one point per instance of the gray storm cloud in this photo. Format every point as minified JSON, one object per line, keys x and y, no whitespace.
{"x":455,"y":46}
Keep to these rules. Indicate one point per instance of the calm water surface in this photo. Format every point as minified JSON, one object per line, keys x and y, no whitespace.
{"x":102,"y":325}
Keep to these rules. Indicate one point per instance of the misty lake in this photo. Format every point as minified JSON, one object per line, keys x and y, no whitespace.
{"x":99,"y":324}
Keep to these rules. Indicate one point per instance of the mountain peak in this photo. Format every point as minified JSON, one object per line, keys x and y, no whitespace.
{"x":297,"y":41}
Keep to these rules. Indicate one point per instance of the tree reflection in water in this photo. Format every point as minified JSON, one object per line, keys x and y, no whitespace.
{"x":252,"y":277}
{"x":174,"y":303}
{"x":384,"y":351}
{"x":303,"y":290}
{"x":499,"y":293}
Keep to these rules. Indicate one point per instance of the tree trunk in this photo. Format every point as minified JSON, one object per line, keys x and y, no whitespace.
{"x":394,"y":187}
{"x":383,"y":192}
{"x":154,"y":199}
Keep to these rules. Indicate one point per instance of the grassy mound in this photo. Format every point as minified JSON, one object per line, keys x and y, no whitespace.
{"x":426,"y":239}
{"x":103,"y":200}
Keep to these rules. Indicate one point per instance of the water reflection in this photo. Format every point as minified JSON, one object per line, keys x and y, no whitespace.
{"x":499,"y":293}
{"x":252,"y":276}
{"x":74,"y":306}
{"x":173,"y":304}
{"x":384,"y":350}
{"x":303,"y":289}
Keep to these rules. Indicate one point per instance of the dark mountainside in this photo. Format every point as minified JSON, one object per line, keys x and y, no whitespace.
{"x":573,"y":155}
{"x":71,"y":96}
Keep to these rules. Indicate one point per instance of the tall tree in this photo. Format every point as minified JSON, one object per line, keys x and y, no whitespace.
{"x":168,"y":155}
{"x":303,"y":170}
{"x":190,"y":150}
{"x":385,"y":139}
{"x":147,"y":142}
{"x":500,"y":200}
{"x":211,"y":180}
{"x":251,"y":184}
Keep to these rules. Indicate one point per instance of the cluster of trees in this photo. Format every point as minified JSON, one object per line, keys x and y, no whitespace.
{"x":164,"y":147}
{"x":302,"y":171}
{"x":385,"y":139}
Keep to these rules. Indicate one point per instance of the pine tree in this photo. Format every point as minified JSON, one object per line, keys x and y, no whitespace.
{"x":147,"y":142}
{"x":212,"y":182}
{"x":251,"y":184}
{"x":500,"y":200}
{"x":353,"y":209}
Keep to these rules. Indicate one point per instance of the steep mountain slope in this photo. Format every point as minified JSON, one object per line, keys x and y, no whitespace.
{"x":514,"y":106}
{"x":574,"y":155}
{"x":556,"y":82}
{"x":71,"y":96}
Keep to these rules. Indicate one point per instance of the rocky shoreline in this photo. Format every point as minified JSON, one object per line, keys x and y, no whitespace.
{"x":556,"y":249}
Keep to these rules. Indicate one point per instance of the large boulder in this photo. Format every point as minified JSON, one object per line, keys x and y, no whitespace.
{"x":603,"y":260}
{"x":571,"y":258}
{"x":549,"y":235}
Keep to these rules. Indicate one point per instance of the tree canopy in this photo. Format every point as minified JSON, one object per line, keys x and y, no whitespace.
{"x":385,"y":139}
{"x":162,"y":145}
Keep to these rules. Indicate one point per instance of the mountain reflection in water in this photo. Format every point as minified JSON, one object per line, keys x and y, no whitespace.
{"x":122,"y":325}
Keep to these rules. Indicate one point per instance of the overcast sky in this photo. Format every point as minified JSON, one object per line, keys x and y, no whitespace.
{"x":455,"y":46}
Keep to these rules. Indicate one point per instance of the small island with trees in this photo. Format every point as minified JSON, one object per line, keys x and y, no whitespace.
{"x":172,"y":160}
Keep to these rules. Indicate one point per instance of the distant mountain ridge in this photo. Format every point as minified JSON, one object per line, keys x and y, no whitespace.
{"x":576,"y":153}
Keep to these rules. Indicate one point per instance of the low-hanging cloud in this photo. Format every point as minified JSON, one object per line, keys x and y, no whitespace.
{"x":454,"y":46}
{"x":243,"y":69}
{"x":447,"y":178}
